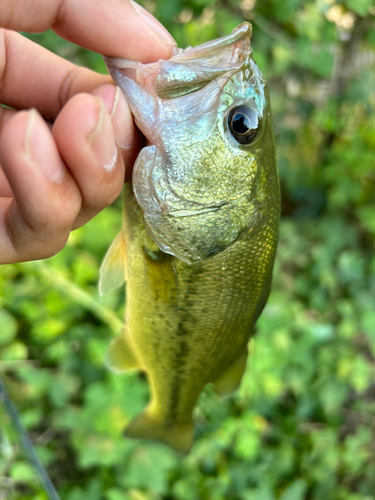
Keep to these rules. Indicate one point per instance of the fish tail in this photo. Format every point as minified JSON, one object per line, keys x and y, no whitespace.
{"x":179,"y":437}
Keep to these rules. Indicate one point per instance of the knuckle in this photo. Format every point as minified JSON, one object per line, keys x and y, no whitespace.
{"x":54,"y":220}
{"x":29,"y":244}
{"x":55,"y":246}
{"x":67,"y":85}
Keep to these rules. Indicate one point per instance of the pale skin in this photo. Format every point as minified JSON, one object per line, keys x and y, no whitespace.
{"x":55,"y":178}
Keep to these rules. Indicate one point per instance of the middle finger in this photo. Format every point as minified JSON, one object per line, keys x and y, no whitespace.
{"x":85,"y":136}
{"x":33,"y":77}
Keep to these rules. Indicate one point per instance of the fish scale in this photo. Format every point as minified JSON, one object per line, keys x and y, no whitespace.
{"x":200,"y":229}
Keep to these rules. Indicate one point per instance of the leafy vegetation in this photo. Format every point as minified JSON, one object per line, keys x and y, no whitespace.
{"x":302,"y":425}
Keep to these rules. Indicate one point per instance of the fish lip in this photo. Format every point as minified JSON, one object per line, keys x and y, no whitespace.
{"x":191,"y":69}
{"x":186,"y":72}
{"x":243,"y":31}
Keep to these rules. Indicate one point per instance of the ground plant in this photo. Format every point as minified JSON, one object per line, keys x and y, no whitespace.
{"x":302,"y":425}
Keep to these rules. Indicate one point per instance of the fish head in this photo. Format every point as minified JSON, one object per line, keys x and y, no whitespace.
{"x":202,"y":180}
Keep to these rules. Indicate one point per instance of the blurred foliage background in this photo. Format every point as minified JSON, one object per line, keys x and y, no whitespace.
{"x":302,"y":426}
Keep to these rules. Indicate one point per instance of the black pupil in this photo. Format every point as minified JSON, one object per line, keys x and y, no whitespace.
{"x":241,"y":124}
{"x":244,"y":123}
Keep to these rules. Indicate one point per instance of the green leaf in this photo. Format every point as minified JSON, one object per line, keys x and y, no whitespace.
{"x":23,"y":472}
{"x":8,"y":327}
{"x":295,"y":491}
{"x":262,"y":493}
{"x":360,"y":7}
{"x":149,"y":466}
{"x":116,"y":494}
{"x":14,"y":352}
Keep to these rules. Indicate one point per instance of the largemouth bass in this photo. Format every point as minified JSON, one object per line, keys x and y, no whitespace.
{"x":200,"y":227}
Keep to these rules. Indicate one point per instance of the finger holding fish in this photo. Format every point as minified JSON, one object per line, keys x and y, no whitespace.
{"x":85,"y":136}
{"x":36,"y":222}
{"x":115,"y":28}
{"x":54,"y":191}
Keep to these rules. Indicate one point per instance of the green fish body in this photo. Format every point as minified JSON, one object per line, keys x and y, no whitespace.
{"x":200,"y":228}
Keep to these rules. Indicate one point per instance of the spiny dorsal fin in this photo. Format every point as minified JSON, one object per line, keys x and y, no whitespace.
{"x":112,"y":271}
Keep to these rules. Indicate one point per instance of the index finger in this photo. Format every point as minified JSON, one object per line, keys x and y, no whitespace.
{"x":119,"y":28}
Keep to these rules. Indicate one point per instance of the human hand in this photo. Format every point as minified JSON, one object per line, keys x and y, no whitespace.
{"x":55,"y":179}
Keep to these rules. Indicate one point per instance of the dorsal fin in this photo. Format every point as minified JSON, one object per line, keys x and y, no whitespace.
{"x":112,"y":271}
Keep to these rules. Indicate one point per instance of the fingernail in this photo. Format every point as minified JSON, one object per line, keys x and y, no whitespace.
{"x":122,"y":120}
{"x":41,"y":149}
{"x":119,"y":112}
{"x":154,"y":24}
{"x":101,"y":139}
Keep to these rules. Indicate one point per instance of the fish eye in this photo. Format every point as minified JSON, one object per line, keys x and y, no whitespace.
{"x":244,"y":123}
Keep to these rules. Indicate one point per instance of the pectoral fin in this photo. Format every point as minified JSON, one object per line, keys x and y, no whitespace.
{"x":121,"y":356}
{"x":228,"y":382}
{"x":177,"y":437}
{"x":112,"y":271}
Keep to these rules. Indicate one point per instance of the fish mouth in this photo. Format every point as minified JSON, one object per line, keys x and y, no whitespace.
{"x":190,"y":69}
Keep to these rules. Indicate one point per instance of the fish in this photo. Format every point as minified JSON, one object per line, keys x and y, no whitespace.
{"x":200,"y":228}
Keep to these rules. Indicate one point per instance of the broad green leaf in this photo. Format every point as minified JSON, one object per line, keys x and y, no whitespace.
{"x":8,"y":327}
{"x":360,"y":7}
{"x":295,"y":491}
